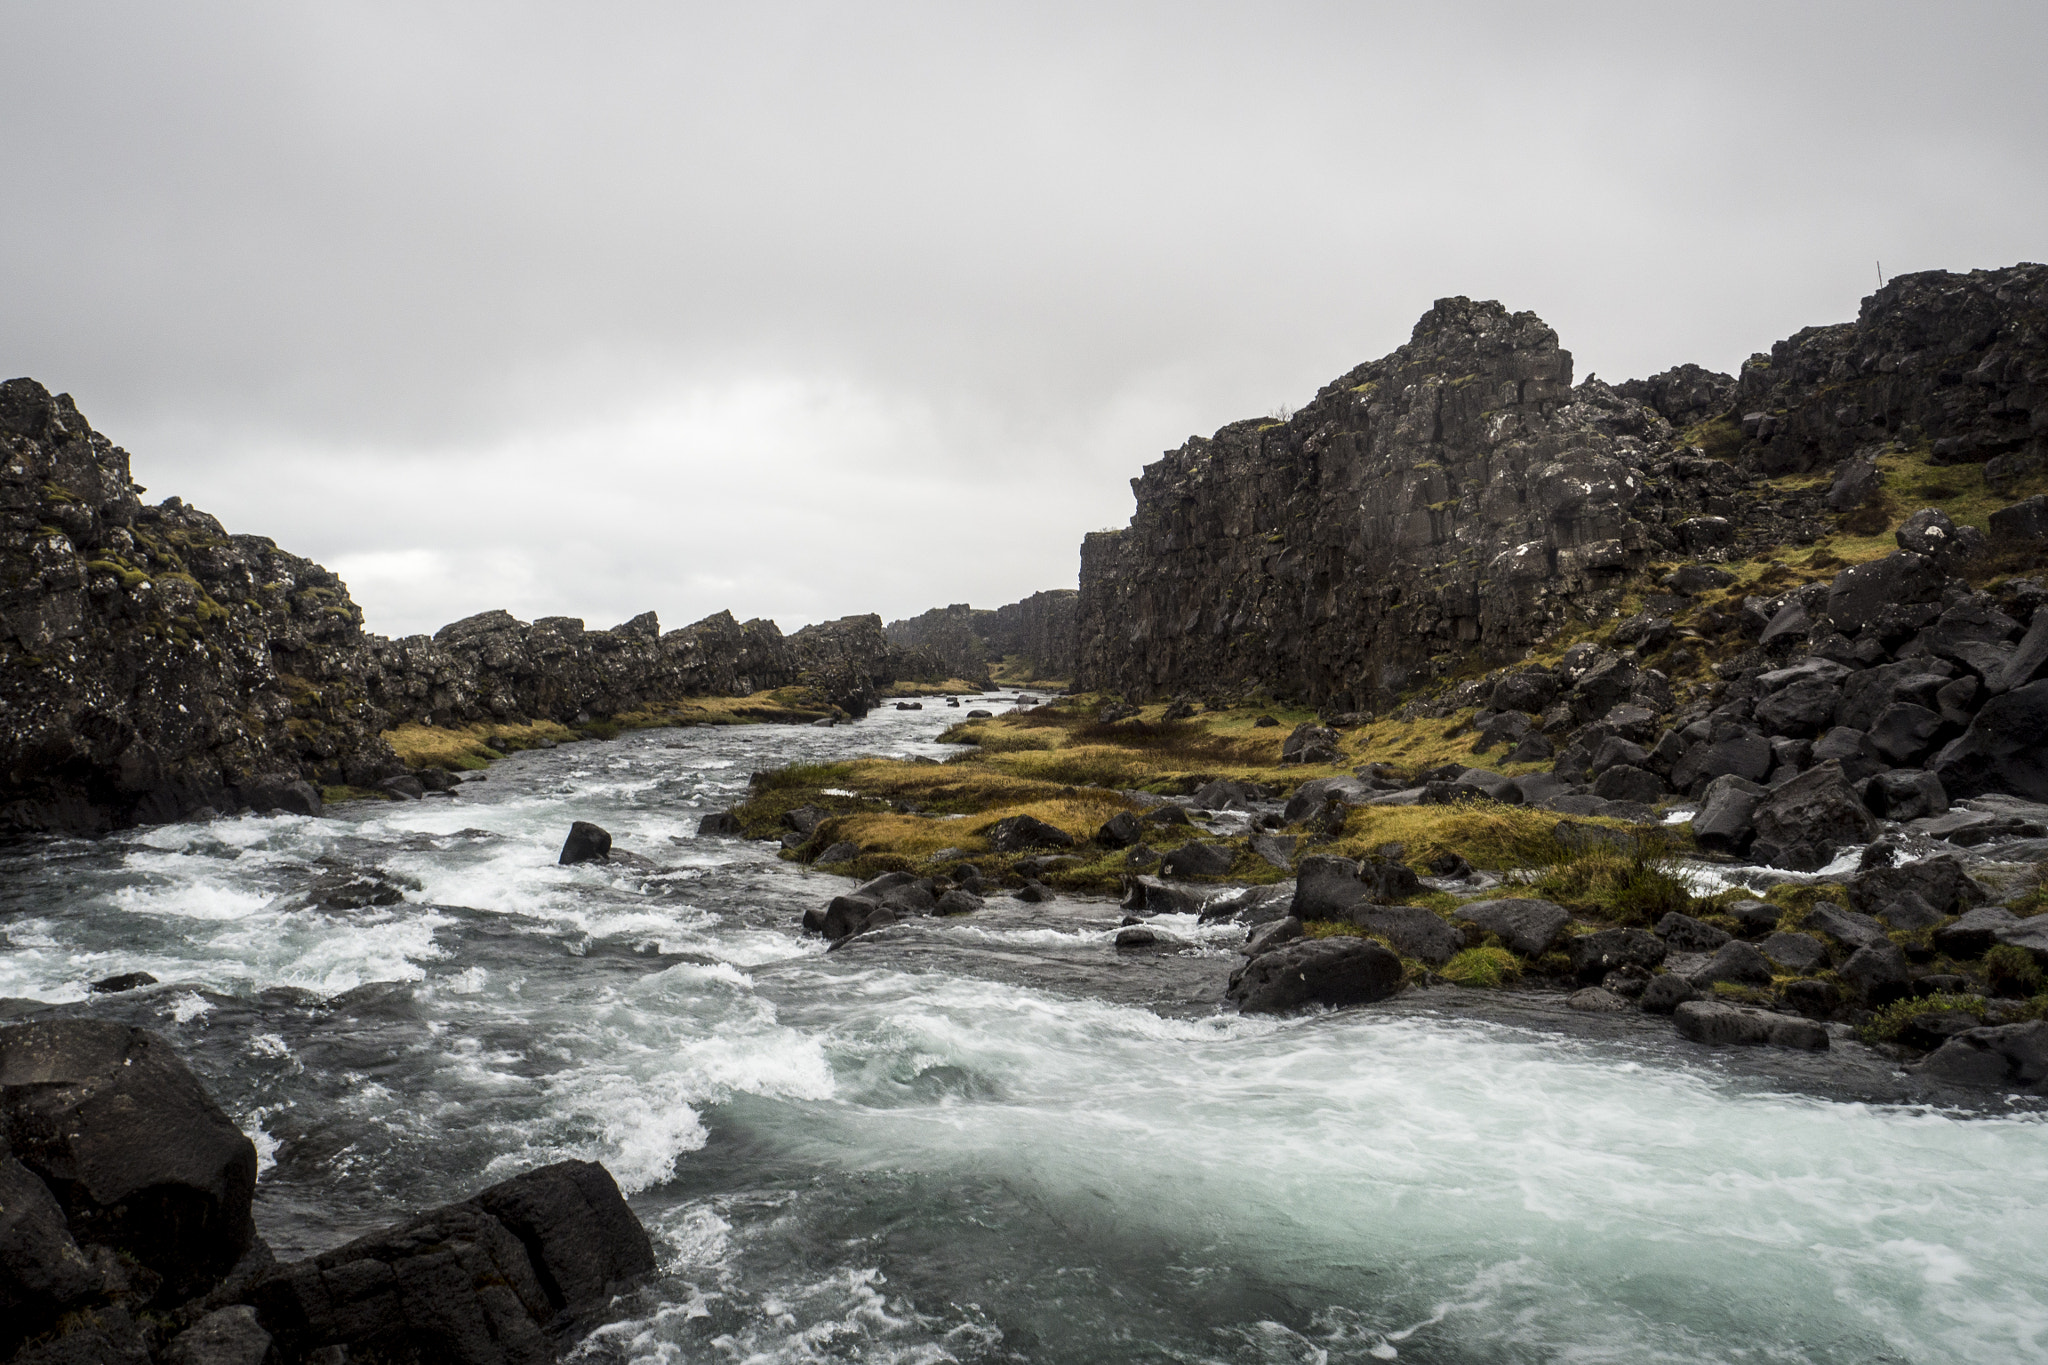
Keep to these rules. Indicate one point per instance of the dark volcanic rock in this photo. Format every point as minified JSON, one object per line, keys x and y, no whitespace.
{"x":1802,"y":824}
{"x":587,"y":843}
{"x":480,"y":1281}
{"x":2007,"y":1056}
{"x":1708,"y":1021}
{"x":1329,"y":971}
{"x":1120,"y":831}
{"x":1198,"y":859}
{"x":42,"y":1271}
{"x":1596,"y":954}
{"x":2002,"y":751}
{"x":1016,"y":833}
{"x":131,"y":1145}
{"x":1528,"y":926}
{"x":1689,"y":935}
{"x":722,"y":824}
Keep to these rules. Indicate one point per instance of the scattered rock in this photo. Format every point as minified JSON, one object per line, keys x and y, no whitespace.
{"x":1665,"y":993}
{"x":1973,"y":935}
{"x":1801,"y":953}
{"x":845,"y":851}
{"x":1737,"y":963}
{"x":1596,"y":954}
{"x":1689,"y":935}
{"x":126,"y":981}
{"x":1198,"y":859}
{"x":957,"y":902}
{"x":1878,"y":973}
{"x":1120,"y":831}
{"x":1311,"y":743}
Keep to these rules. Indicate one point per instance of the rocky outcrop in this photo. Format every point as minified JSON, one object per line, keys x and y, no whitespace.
{"x":950,"y":637}
{"x":154,"y":667}
{"x":1037,"y":635}
{"x":849,"y":662}
{"x":1958,"y":362}
{"x":151,"y":664}
{"x":1461,"y":500}
{"x":1457,"y":496}
{"x":1040,"y":632}
{"x":493,"y":666}
{"x":126,"y":1233}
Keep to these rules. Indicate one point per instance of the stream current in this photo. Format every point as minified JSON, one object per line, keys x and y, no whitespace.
{"x":992,"y":1139}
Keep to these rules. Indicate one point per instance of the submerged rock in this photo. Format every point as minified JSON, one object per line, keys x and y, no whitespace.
{"x":1708,"y":1021}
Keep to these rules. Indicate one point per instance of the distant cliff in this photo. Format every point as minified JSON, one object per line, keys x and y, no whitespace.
{"x":1037,"y":633}
{"x":1460,"y":500}
{"x":154,"y":667}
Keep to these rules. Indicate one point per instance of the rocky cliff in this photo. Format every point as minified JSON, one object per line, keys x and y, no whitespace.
{"x":1460,"y":500}
{"x":1037,"y":633}
{"x":951,"y":635}
{"x":155,"y":667}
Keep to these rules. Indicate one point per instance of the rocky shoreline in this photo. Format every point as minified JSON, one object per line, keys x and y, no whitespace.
{"x":126,"y":1234}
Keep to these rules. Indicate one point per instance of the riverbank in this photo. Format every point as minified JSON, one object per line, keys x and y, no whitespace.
{"x":1471,"y":877}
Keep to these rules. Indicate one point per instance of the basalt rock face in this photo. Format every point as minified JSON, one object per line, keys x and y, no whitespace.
{"x":1459,"y":493}
{"x":1041,"y":630}
{"x":950,"y":637}
{"x":151,"y":664}
{"x":1959,"y":361}
{"x":849,"y":661}
{"x":493,"y":666}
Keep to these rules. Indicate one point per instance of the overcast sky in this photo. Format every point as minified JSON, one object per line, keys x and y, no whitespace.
{"x":805,"y":310}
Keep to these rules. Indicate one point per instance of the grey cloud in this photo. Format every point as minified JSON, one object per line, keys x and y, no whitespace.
{"x":807,"y":309}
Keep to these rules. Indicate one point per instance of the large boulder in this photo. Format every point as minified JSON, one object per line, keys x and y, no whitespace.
{"x":42,"y":1271}
{"x":2005,"y":1057}
{"x":138,"y":1155}
{"x":1869,"y":595}
{"x":1975,"y":932}
{"x":1802,"y":824}
{"x":1527,"y":925}
{"x":1311,"y":743}
{"x":587,"y":843}
{"x":1411,"y":930}
{"x":1326,"y":887}
{"x":1724,"y":823}
{"x":1325,"y":971}
{"x":480,"y":1282}
{"x":1710,"y":1021}
{"x":2002,"y":751}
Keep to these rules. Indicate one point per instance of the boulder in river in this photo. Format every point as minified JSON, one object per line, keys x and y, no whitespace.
{"x":139,"y":1156}
{"x":2005,"y":1056}
{"x":1198,"y":858}
{"x":480,"y":1282}
{"x":587,"y":843}
{"x":720,"y":824}
{"x":1322,"y":971}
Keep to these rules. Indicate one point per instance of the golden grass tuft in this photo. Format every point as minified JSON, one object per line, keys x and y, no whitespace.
{"x":462,"y":747}
{"x":1487,"y":833}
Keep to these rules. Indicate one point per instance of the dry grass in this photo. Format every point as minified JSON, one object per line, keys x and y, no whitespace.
{"x":1486,"y":833}
{"x":783,"y":705}
{"x":469,"y":746}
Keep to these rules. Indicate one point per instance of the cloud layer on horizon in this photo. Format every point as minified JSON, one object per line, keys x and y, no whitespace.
{"x":803,"y":309}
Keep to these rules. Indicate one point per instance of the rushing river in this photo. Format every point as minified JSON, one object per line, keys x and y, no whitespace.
{"x":992,"y":1140}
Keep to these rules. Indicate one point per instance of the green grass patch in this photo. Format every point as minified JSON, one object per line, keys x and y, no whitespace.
{"x":1483,"y":967}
